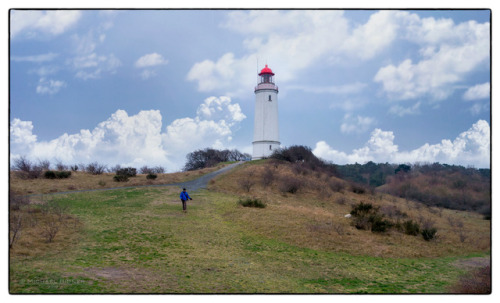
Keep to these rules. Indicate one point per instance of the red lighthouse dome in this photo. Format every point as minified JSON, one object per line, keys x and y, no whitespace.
{"x":266,"y":70}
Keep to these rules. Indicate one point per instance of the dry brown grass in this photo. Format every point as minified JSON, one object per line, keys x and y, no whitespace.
{"x":313,"y":218}
{"x":83,"y":181}
{"x":33,"y":240}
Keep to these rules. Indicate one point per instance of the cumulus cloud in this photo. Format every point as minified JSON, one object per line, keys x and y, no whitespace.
{"x":449,"y":52}
{"x":287,"y":36}
{"x":471,"y":147}
{"x":49,"y":86}
{"x":135,"y":140}
{"x":149,"y":60}
{"x":480,"y":91}
{"x":48,"y":22}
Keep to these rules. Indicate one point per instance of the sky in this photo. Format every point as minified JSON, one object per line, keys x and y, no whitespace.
{"x":147,"y":87}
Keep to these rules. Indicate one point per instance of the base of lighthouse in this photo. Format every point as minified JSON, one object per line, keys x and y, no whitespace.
{"x":264,"y":149}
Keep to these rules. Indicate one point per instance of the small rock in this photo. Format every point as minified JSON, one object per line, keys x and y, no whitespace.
{"x":347,"y":216}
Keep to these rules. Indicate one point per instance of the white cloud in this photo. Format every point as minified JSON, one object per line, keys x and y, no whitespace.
{"x":21,"y":133}
{"x":480,"y":91}
{"x":93,"y":66}
{"x":149,"y":60}
{"x":449,"y":52}
{"x":35,"y":58}
{"x":134,"y":140}
{"x":403,"y":111}
{"x":301,"y":37}
{"x":371,"y":38}
{"x":49,"y":22}
{"x":358,"y":124}
{"x":220,"y":109}
{"x":49,"y":86}
{"x":471,"y":147}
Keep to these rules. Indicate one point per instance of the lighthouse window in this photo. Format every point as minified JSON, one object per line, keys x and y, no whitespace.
{"x":270,"y":98}
{"x":270,"y":147}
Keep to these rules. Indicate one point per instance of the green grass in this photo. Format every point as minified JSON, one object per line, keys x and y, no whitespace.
{"x":139,"y":240}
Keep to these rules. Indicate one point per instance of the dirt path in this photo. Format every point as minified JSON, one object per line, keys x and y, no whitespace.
{"x":192,"y":185}
{"x":202,"y":181}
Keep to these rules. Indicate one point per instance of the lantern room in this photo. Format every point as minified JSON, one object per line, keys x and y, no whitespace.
{"x":266,"y":75}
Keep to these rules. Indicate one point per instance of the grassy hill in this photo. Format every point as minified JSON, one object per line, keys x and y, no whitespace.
{"x":139,"y":241}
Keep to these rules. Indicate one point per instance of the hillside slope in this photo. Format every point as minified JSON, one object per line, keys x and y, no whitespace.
{"x":315,"y":215}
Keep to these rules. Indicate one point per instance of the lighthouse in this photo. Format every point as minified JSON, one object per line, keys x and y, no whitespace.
{"x":266,"y":133}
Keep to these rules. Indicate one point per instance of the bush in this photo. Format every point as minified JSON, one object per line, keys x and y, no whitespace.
{"x":429,"y":233}
{"x":50,"y":174}
{"x":368,"y":217}
{"x":127,"y":171}
{"x":63,"y":174}
{"x":57,"y":174}
{"x":120,"y":178}
{"x":252,"y":203}
{"x":379,"y":224}
{"x":151,"y":176}
{"x":363,"y":209}
{"x":411,"y":228}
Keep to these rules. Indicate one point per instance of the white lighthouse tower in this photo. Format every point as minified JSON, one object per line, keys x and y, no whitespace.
{"x":265,"y":134}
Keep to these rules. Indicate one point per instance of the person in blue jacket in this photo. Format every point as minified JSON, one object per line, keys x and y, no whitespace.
{"x":184,"y":196}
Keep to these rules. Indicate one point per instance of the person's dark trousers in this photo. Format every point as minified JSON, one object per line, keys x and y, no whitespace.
{"x":183,"y":204}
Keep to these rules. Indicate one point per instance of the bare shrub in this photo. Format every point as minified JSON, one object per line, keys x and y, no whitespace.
{"x":393,"y":212}
{"x":54,"y":208}
{"x":339,"y":229}
{"x":44,"y":164}
{"x":151,"y":170}
{"x":289,"y":184}
{"x":22,"y":164}
{"x":336,"y":186}
{"x":50,"y":229}
{"x":246,"y":183}
{"x":15,"y":226}
{"x":299,"y":168}
{"x":60,"y":166}
{"x":17,"y":201}
{"x":428,"y":230}
{"x":95,"y":168}
{"x":27,"y":170}
{"x":267,"y":177}
{"x":341,"y":200}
